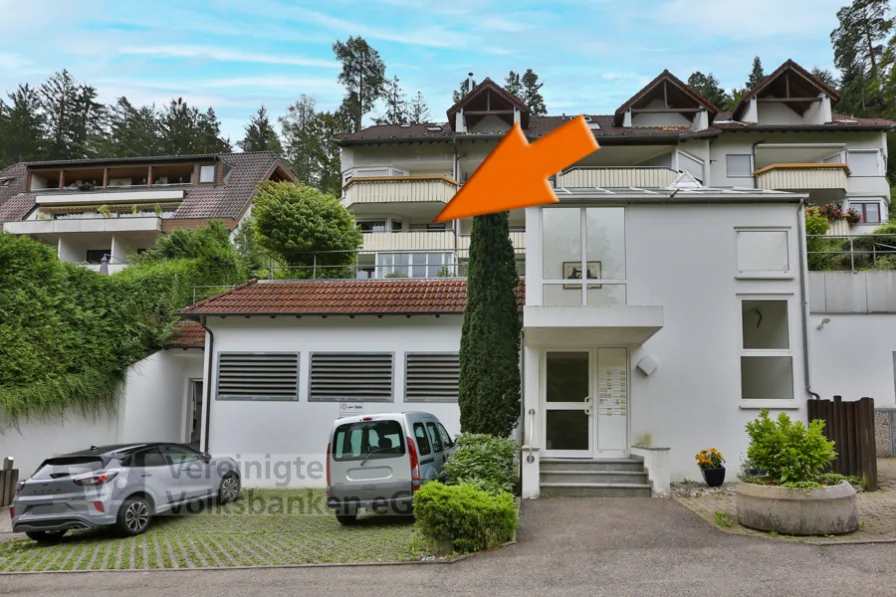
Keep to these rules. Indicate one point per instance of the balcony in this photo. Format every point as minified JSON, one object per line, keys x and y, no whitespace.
{"x":585,"y":177}
{"x":802,"y":177}
{"x":410,"y":240}
{"x":517,"y":237}
{"x":399,"y":189}
{"x":84,"y":225}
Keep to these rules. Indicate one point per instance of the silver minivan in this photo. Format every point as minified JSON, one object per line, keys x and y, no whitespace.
{"x":377,"y":462}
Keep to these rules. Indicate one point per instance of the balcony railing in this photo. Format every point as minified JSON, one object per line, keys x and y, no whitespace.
{"x":399,"y":189}
{"x":802,"y":176}
{"x":517,"y":237}
{"x":76,"y":225}
{"x":410,"y":240}
{"x":640,"y":177}
{"x":851,"y":252}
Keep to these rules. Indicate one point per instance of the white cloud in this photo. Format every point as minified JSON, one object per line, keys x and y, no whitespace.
{"x":224,"y":55}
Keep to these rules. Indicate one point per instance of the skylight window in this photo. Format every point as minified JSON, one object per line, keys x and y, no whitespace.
{"x":434,"y":128}
{"x":6,"y":180}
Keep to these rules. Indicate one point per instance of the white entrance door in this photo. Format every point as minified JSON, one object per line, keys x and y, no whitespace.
{"x":567,"y":398}
{"x":585,"y":398}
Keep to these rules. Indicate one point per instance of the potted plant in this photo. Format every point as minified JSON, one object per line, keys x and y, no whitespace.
{"x":852,"y":216}
{"x":712,"y":465}
{"x":85,"y":186}
{"x":796,"y":495}
{"x":104,"y":211}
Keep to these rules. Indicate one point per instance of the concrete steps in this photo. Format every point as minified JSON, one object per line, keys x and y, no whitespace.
{"x":617,"y":477}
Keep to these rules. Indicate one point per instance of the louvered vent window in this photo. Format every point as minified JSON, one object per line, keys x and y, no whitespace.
{"x":431,"y":377}
{"x":356,"y":376}
{"x":258,"y":376}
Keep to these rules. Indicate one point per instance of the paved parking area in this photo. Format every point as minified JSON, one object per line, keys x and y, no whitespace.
{"x":597,"y":547}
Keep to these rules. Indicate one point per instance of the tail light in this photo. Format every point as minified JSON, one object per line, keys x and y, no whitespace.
{"x":94,"y":480}
{"x":99,"y":507}
{"x":415,"y":462}
{"x":327,"y":458}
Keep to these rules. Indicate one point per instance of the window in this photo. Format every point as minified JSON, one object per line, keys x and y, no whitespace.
{"x":762,"y":252}
{"x":207,"y":173}
{"x":96,"y":255}
{"x":414,"y":265}
{"x":446,"y":438}
{"x":396,"y":225}
{"x":690,"y":164}
{"x":863,"y":163}
{"x":181,"y":454}
{"x":67,"y":466}
{"x":870,"y":212}
{"x":431,"y":377}
{"x":5,"y":181}
{"x":357,"y":376}
{"x":766,"y":360}
{"x":739,"y":165}
{"x":422,"y":439}
{"x":376,"y":439}
{"x":144,"y":458}
{"x":372,"y":226}
{"x":258,"y":376}
{"x":434,"y":436}
{"x":583,"y":244}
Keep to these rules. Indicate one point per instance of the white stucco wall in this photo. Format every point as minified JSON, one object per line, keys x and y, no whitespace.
{"x":659,"y":118}
{"x":272,"y":435}
{"x":854,"y":355}
{"x":775,"y":113}
{"x":35,"y":441}
{"x":155,"y":396}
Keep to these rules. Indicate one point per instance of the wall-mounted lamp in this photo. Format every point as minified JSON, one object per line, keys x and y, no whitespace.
{"x":823,"y":323}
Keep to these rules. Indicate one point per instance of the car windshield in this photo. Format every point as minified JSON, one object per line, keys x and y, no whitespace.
{"x":368,"y":439}
{"x":56,"y":468}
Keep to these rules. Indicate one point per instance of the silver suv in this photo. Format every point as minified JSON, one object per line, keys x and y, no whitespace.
{"x":121,"y":486}
{"x":377,"y":462}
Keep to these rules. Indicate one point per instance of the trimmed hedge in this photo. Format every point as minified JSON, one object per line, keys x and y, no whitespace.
{"x":471,"y":519}
{"x":483,"y":460}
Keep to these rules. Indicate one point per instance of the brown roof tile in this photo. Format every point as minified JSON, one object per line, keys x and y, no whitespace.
{"x":338,"y":297}
{"x":186,"y":334}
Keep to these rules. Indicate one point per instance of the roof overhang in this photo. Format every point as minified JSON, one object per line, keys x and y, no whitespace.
{"x":590,"y":325}
{"x":676,"y":195}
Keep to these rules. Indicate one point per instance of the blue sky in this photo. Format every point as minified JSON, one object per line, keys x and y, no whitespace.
{"x":238,"y":54}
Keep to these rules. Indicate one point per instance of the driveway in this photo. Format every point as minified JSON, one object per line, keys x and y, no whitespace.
{"x":614,"y":547}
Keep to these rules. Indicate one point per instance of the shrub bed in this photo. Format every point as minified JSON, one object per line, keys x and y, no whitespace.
{"x":469,"y":518}
{"x":486,"y":461}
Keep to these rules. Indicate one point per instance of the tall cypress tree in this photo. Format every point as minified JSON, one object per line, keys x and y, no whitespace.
{"x":756,"y":74}
{"x":489,"y":385}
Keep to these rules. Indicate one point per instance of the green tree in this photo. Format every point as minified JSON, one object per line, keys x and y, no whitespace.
{"x":300,"y":137}
{"x":732,"y":100}
{"x":251,"y":254}
{"x":21,"y":127}
{"x":513,"y":85}
{"x":133,"y":132}
{"x":363,"y":76}
{"x":72,"y":117}
{"x":302,"y":226}
{"x":325,"y":154}
{"x":465,"y":87}
{"x":418,"y":110}
{"x":532,"y":93}
{"x":185,"y":130}
{"x":260,"y":134}
{"x":756,"y":75}
{"x":858,"y":52}
{"x":210,"y":140}
{"x":489,"y":385}
{"x":708,"y":86}
{"x":396,"y":105}
{"x":826,"y":76}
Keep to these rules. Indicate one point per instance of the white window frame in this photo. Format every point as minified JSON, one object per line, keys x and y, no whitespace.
{"x":877,"y":152}
{"x":728,"y":169}
{"x":585,"y":283}
{"x":771,"y":403}
{"x":697,"y":159}
{"x":881,"y":212}
{"x":204,"y":169}
{"x":759,"y":275}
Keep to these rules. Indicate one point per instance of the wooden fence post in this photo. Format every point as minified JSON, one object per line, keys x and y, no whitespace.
{"x":868,"y":450}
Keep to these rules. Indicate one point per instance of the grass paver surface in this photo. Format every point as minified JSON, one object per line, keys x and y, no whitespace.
{"x":262,"y":528}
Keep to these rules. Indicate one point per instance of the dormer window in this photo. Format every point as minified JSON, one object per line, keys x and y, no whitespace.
{"x":488,"y":108}
{"x":207,"y":174}
{"x":790,"y":95}
{"x":666,"y":102}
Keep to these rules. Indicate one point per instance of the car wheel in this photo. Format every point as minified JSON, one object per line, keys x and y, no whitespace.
{"x":347,"y":519}
{"x":229,"y":490}
{"x":134,"y":516}
{"x":46,"y":536}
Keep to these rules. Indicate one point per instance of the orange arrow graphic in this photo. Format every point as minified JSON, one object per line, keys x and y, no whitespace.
{"x":516,"y":173}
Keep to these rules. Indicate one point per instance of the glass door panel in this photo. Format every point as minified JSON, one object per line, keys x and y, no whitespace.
{"x":568,"y":422}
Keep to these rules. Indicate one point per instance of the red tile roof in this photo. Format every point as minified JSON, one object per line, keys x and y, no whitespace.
{"x":340,"y":297}
{"x":186,"y":334}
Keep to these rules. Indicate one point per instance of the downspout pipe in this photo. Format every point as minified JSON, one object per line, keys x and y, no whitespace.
{"x":753,"y":166}
{"x":804,"y":302}
{"x":209,"y":362}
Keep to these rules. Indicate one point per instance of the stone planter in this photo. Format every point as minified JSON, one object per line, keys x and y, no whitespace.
{"x":825,"y":511}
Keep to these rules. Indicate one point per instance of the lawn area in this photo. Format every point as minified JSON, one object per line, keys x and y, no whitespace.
{"x":264,"y":527}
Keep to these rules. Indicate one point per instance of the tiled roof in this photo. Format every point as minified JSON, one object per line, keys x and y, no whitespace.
{"x":676,"y":82}
{"x":337,"y":297}
{"x":227,"y":201}
{"x":724,"y":122}
{"x":186,"y":334}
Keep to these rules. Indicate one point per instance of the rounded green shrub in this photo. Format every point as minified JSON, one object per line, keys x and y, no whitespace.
{"x":486,"y":461}
{"x":470,"y":518}
{"x":791,"y":453}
